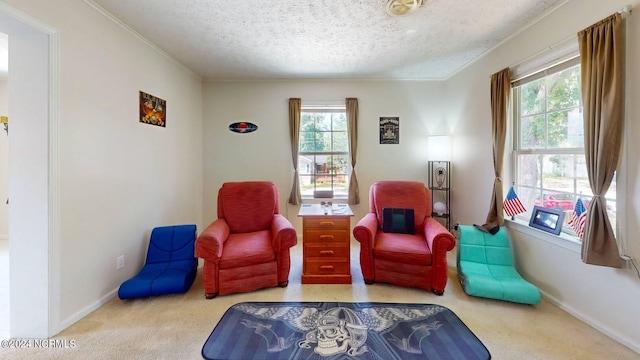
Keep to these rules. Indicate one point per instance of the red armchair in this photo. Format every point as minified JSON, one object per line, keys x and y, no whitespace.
{"x":247,"y":247}
{"x":410,"y":260}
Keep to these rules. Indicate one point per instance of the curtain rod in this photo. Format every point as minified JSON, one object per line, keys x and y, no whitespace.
{"x":560,"y":44}
{"x":626,"y":11}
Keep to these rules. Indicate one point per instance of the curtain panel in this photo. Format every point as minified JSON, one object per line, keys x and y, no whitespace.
{"x":602,"y":51}
{"x":295,"y":106}
{"x":500,"y":93}
{"x":352,"y":128}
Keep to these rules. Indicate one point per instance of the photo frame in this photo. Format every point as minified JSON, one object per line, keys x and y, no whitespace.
{"x":153,"y":110}
{"x":389,"y":130}
{"x":545,"y":219}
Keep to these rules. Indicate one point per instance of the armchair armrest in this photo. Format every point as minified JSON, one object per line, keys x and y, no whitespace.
{"x":437,"y":236}
{"x":439,"y":240}
{"x":283,"y":233}
{"x":366,"y":229}
{"x":365,"y":232}
{"x":209,"y":243}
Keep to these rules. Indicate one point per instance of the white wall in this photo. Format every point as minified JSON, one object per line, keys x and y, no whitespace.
{"x":4,"y":163}
{"x":605,"y":298}
{"x":266,"y":153}
{"x":118,"y":178}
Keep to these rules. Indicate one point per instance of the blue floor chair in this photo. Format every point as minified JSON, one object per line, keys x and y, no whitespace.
{"x":170,"y":266}
{"x":486,"y":269}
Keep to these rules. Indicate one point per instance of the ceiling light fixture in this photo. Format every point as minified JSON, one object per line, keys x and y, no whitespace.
{"x":402,"y":7}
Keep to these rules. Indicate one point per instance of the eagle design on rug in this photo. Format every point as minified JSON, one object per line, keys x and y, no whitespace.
{"x":339,"y":329}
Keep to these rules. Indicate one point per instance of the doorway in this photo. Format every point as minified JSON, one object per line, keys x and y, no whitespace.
{"x":4,"y":188}
{"x":33,"y":191}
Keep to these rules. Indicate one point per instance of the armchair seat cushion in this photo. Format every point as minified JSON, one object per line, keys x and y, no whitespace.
{"x":402,"y":248}
{"x":245,"y":249}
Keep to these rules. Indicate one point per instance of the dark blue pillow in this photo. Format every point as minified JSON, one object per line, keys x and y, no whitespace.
{"x":395,"y":220}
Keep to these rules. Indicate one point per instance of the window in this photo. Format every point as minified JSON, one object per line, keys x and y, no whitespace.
{"x":550,"y":168}
{"x":323,"y":158}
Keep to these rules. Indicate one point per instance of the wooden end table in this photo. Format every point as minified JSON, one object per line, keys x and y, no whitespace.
{"x":326,"y":238}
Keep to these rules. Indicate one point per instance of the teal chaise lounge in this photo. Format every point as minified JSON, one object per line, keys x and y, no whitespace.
{"x":485,"y":267}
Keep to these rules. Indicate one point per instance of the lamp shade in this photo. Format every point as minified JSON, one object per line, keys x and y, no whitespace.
{"x":439,"y":148}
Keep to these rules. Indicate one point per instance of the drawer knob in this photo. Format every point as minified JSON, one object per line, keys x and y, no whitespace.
{"x":326,"y":253}
{"x":326,"y":223}
{"x":326,"y":267}
{"x":326,"y":237}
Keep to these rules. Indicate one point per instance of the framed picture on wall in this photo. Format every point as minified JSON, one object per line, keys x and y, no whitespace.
{"x":389,"y":130}
{"x":153,"y":110}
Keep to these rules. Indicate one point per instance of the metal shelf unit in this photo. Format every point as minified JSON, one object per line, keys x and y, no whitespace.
{"x":440,"y":186}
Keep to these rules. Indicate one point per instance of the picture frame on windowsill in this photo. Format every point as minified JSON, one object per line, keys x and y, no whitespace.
{"x":545,"y":219}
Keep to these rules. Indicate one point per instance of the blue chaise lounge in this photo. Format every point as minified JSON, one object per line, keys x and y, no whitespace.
{"x":170,"y":266}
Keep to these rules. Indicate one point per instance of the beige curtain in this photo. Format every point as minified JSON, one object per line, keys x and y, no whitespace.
{"x":500,"y":92}
{"x":295,"y":104}
{"x":352,"y":128}
{"x":602,"y":64}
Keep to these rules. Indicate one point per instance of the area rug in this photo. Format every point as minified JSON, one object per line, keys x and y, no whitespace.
{"x":337,"y":330}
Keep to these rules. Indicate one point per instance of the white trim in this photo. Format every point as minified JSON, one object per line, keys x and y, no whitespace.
{"x":25,"y":18}
{"x":88,"y":310}
{"x":568,"y":243}
{"x":593,"y":323}
{"x":139,"y":36}
{"x":54,"y":184}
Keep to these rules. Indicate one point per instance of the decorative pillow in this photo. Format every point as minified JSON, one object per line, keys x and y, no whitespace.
{"x":398,"y":221}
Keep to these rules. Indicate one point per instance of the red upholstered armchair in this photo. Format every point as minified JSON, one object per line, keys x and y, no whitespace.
{"x":411,"y":260}
{"x":247,"y":247}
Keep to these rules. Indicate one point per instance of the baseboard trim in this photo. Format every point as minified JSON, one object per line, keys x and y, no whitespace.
{"x":593,"y":323}
{"x":87,"y":310}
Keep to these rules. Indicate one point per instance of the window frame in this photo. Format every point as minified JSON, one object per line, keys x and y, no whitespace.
{"x":568,"y":61}
{"x":325,"y":108}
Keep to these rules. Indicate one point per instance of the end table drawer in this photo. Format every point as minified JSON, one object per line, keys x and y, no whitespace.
{"x":326,"y":236}
{"x":326,"y":223}
{"x":331,"y":251}
{"x":327,"y":267}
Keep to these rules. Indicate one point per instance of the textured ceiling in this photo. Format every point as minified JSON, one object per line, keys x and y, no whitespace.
{"x":281,"y":39}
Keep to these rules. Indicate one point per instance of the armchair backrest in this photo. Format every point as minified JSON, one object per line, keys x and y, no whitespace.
{"x":171,"y":243}
{"x":248,"y":206}
{"x":401,"y":194}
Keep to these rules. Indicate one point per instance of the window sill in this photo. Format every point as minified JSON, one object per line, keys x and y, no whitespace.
{"x":563,"y":240}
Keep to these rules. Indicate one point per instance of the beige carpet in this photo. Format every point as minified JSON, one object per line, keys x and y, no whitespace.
{"x":176,"y":326}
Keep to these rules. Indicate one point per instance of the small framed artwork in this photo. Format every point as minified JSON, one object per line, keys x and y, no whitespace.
{"x":153,"y":110}
{"x":549,"y":220}
{"x":389,"y":130}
